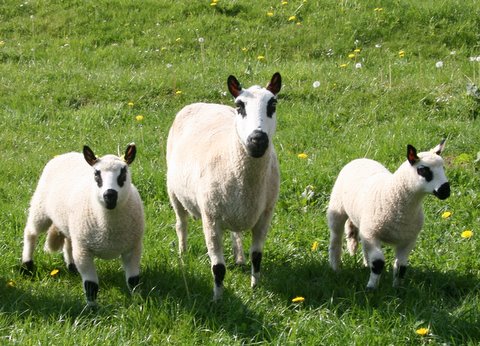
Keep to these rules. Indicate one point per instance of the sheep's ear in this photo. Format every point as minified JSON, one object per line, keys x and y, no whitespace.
{"x":275,"y":84}
{"x":89,"y":155}
{"x":439,"y":148}
{"x":412,"y":154}
{"x":130,"y":153}
{"x":234,"y":86}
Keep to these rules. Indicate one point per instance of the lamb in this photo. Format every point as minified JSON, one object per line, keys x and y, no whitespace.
{"x":90,"y":208}
{"x":375,"y":206}
{"x":222,"y":168}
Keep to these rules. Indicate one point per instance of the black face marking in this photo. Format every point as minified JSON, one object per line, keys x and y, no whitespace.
{"x":271,"y":107}
{"x":91,"y":290}
{"x":425,"y":172}
{"x":443,"y":192}
{"x":98,"y":178}
{"x":219,"y":274}
{"x":241,"y":108}
{"x":377,"y":266}
{"x":122,"y":177}
{"x":256,"y":260}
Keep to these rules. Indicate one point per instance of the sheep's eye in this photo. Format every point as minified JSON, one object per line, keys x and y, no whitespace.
{"x":425,"y":172}
{"x":98,"y":178}
{"x":271,"y":107}
{"x":122,"y":177}
{"x":241,"y":108}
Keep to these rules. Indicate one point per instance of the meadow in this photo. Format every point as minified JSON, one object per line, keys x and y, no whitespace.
{"x":360,"y":79}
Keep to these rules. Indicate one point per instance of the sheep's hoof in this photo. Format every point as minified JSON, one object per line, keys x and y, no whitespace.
{"x":217,"y":293}
{"x":370,"y":289}
{"x":72,"y":268}
{"x":27,"y":268}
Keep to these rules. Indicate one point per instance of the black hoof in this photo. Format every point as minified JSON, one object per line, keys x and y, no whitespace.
{"x":72,"y":268}
{"x":27,"y":268}
{"x":133,"y":282}
{"x":91,"y":291}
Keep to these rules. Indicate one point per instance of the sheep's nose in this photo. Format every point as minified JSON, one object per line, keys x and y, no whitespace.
{"x":257,"y":143}
{"x":443,"y":191}
{"x":110,"y":197}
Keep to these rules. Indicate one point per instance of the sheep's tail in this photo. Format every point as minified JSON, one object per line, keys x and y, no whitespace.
{"x":351,"y":232}
{"x":55,"y":239}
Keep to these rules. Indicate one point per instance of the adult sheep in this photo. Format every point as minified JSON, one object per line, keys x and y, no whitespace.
{"x":90,"y":208}
{"x":222,"y":168}
{"x":377,"y":206}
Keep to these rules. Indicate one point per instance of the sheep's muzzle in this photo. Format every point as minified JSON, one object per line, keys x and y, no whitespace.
{"x":443,"y":192}
{"x":110,"y":197}
{"x":257,"y":143}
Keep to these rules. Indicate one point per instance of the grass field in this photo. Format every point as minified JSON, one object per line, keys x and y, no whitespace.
{"x":360,"y":79}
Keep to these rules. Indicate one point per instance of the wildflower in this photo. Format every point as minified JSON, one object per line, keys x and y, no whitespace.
{"x":54,"y":272}
{"x":446,"y":214}
{"x":343,"y":65}
{"x":453,"y":52}
{"x":213,"y":4}
{"x":284,"y":3}
{"x":260,"y":57}
{"x":169,"y":65}
{"x":316,"y":84}
{"x":378,"y":45}
{"x":178,"y":39}
{"x":298,"y":300}
{"x":439,"y":64}
{"x":139,"y":118}
{"x":11,"y":283}
{"x":357,"y":50}
{"x":358,"y":65}
{"x":467,"y":234}
{"x":378,"y":9}
{"x":422,"y":331}
{"x":315,"y":246}
{"x":302,"y":156}
{"x":244,"y":49}
{"x":270,"y":13}
{"x":291,"y":18}
{"x":351,"y":55}
{"x":178,"y":92}
{"x":2,"y":43}
{"x":201,"y":39}
{"x":130,"y":104}
{"x":401,"y":53}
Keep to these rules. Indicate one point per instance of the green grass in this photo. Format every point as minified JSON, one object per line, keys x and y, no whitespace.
{"x":67,"y":73}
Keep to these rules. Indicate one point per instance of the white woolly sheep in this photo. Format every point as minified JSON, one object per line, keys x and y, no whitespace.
{"x":375,"y":206}
{"x":91,"y":208}
{"x":222,"y":168}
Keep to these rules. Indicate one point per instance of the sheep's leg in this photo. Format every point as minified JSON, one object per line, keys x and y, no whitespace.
{"x":213,"y":239}
{"x":86,"y":268}
{"x":336,"y":223}
{"x":401,"y":263}
{"x":259,"y":234}
{"x":34,"y":226}
{"x":237,"y":246}
{"x":351,"y":232}
{"x":376,"y":261}
{"x":68,"y":257}
{"x":131,"y":265}
{"x":181,"y":222}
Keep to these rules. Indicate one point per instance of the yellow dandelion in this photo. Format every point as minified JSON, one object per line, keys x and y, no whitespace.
{"x":260,"y":57}
{"x":302,"y":156}
{"x":244,"y":49}
{"x":298,"y":300}
{"x":178,"y":39}
{"x":130,"y":104}
{"x":291,"y":18}
{"x":351,"y":55}
{"x":315,"y":246}
{"x":213,"y":4}
{"x":401,"y":53}
{"x":357,"y":50}
{"x":270,"y":14}
{"x":139,"y":118}
{"x":378,"y":9}
{"x":2,"y":43}
{"x":284,"y":3}
{"x":54,"y":272}
{"x":343,"y":65}
{"x":467,"y":234}
{"x":11,"y":283}
{"x":298,"y":23}
{"x":422,"y":331}
{"x":446,"y":214}
{"x":178,"y":92}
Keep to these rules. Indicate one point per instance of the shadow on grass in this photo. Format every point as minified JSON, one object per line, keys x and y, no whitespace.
{"x":442,"y":299}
